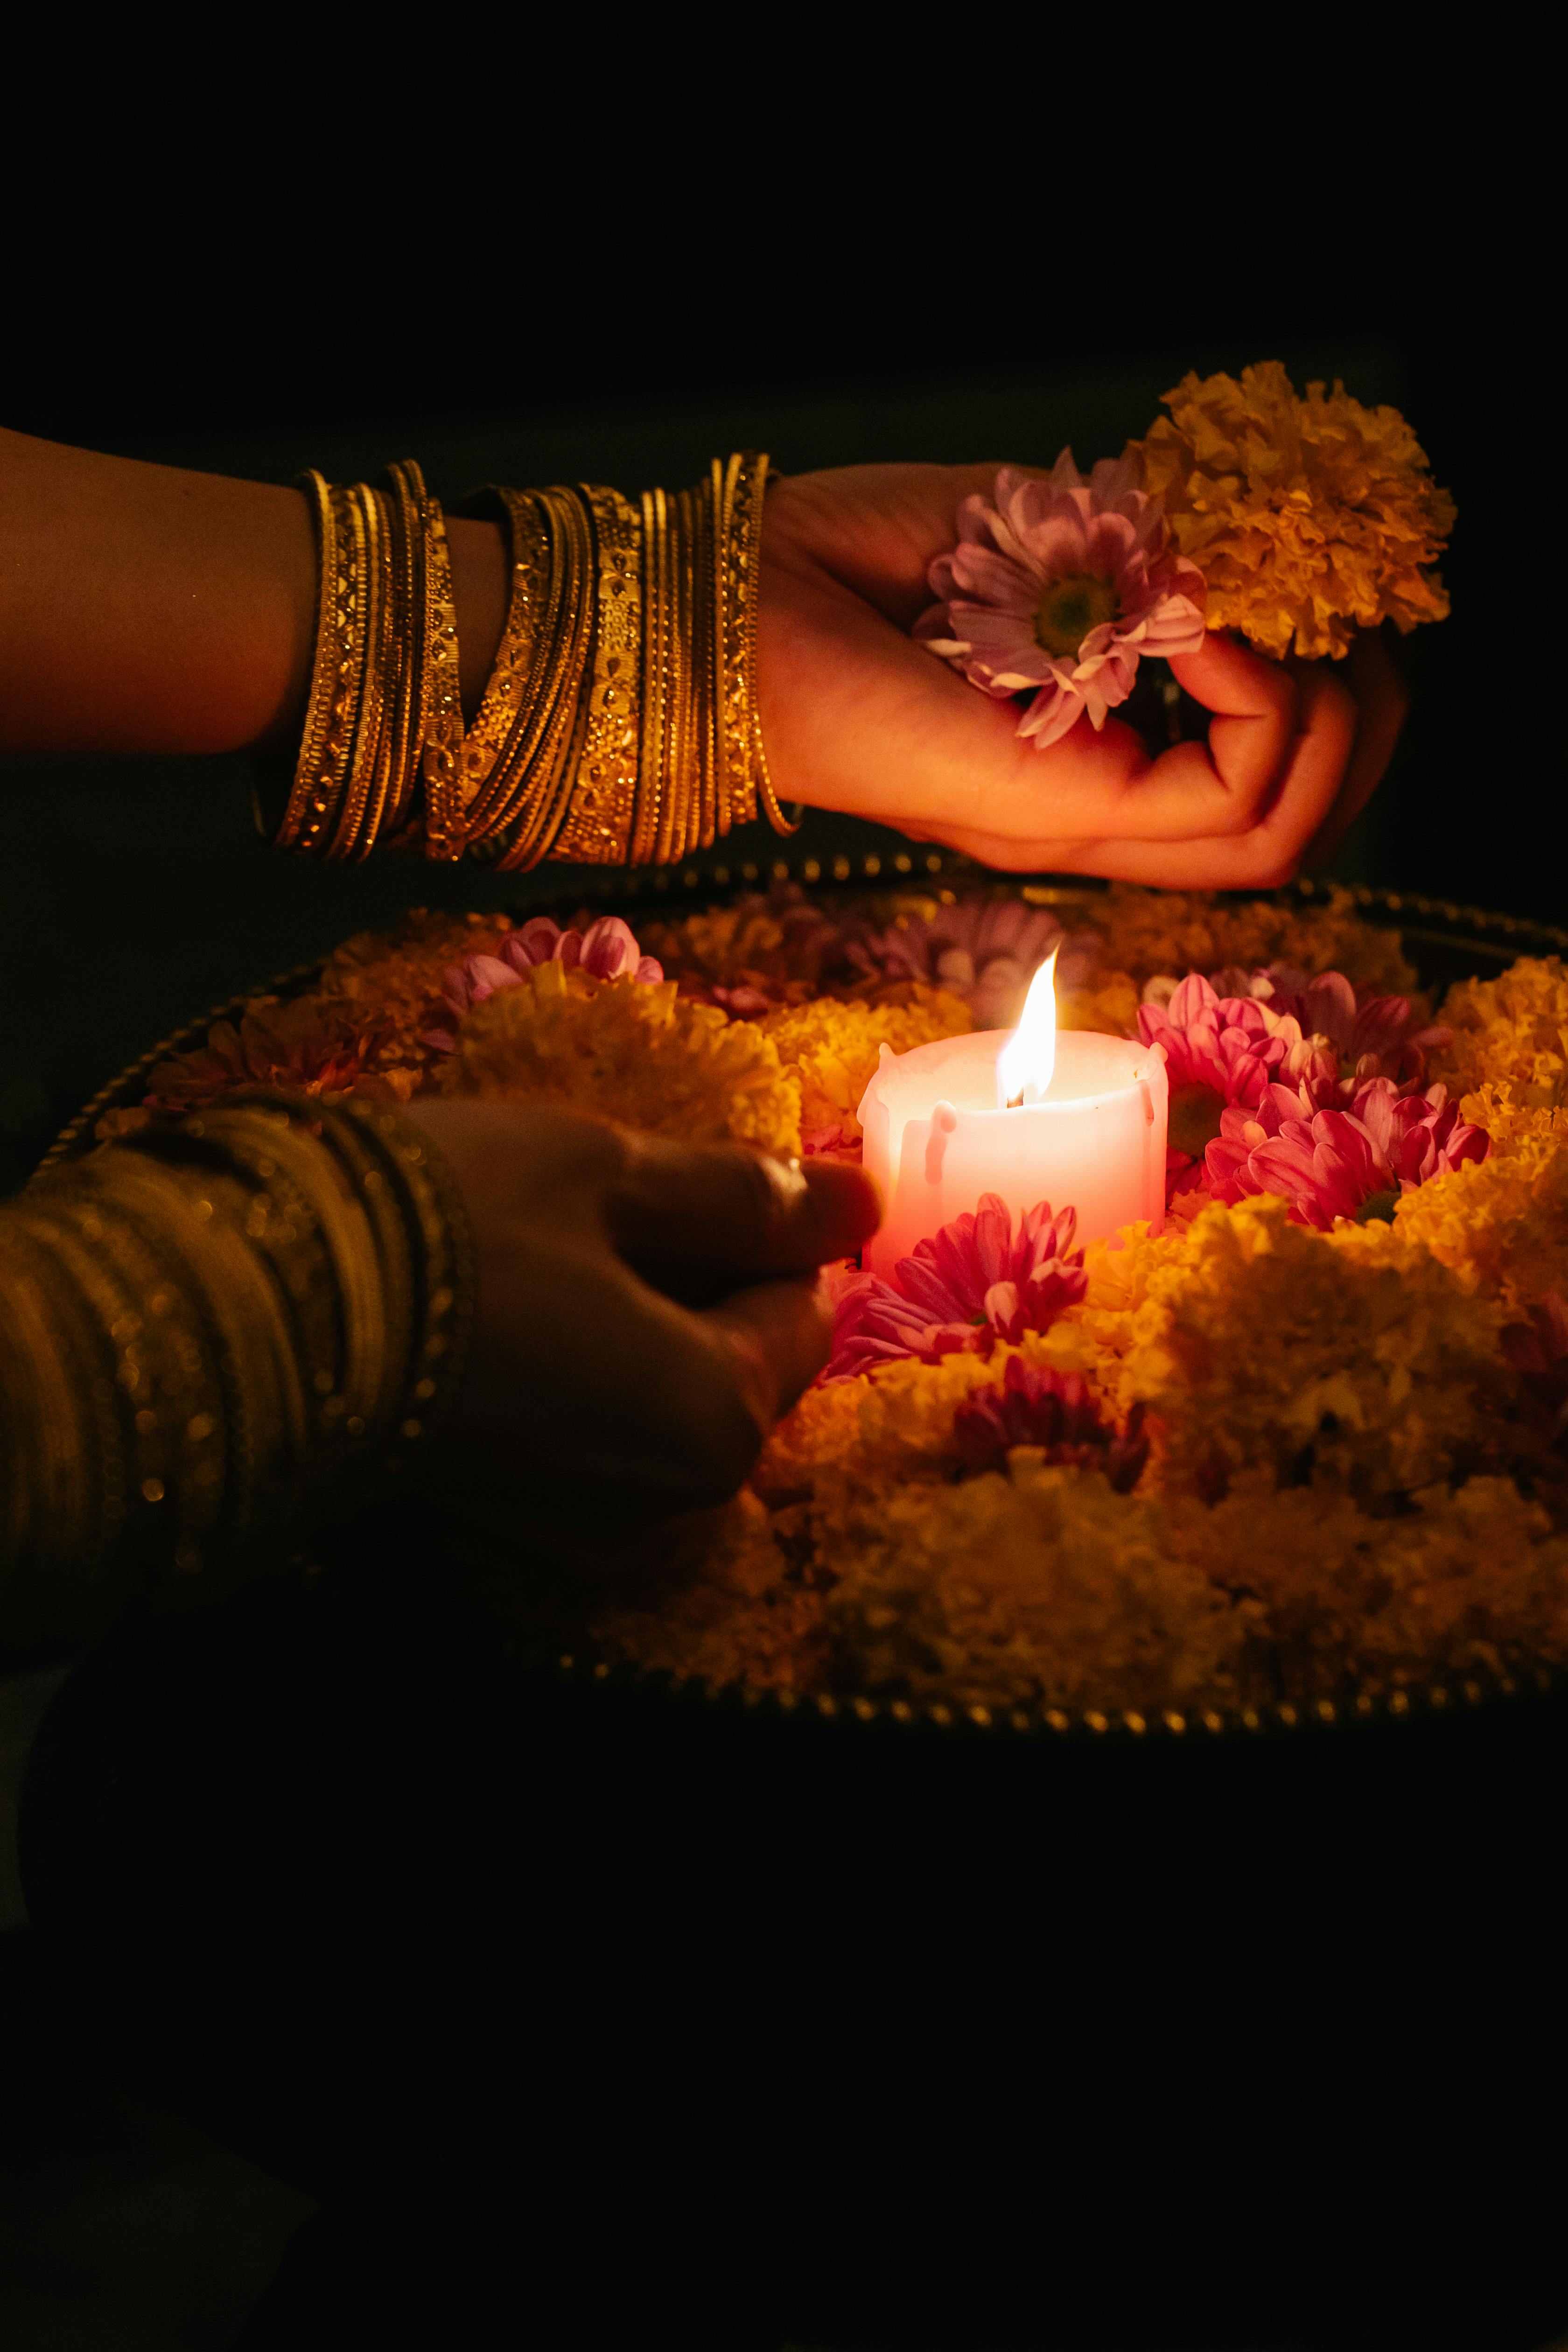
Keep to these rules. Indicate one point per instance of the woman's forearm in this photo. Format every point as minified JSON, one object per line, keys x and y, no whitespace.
{"x":143,"y":608}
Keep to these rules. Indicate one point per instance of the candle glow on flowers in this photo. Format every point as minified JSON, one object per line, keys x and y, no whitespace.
{"x":1308,"y":1437}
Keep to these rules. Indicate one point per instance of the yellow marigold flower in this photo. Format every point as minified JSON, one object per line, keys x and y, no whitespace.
{"x":1258,"y":1344}
{"x":1042,"y":1587}
{"x":1472,"y":1578}
{"x":744,"y":946}
{"x":832,"y":1047}
{"x":631,"y":1052}
{"x":726,"y":1605}
{"x":1150,"y":931}
{"x":391,"y":981}
{"x":1110,"y":1007}
{"x":1511,"y":1029}
{"x":1515,"y":1126}
{"x":1500,"y":1224}
{"x":1309,"y":519}
{"x":821,"y":1435}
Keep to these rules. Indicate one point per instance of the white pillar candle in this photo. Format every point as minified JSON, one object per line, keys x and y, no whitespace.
{"x":1077,"y":1119}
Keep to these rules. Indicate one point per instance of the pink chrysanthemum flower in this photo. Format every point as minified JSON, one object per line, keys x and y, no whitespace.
{"x":1058,"y":589}
{"x":976,"y":1282}
{"x":986,"y":951}
{"x":1370,"y":1036}
{"x":1332,"y":1163}
{"x":608,"y":949}
{"x":1037,"y":1406}
{"x":1364,"y":1037}
{"x":1221,"y":1052}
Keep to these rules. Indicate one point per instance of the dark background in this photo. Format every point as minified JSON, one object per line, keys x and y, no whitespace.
{"x":973,"y":238}
{"x":554,"y":274}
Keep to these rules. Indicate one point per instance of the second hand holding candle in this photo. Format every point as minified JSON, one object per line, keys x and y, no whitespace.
{"x":1078,"y":1119}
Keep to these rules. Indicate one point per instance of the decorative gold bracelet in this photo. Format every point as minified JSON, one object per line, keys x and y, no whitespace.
{"x":209,"y":1323}
{"x":620,"y":724}
{"x":599,"y":821}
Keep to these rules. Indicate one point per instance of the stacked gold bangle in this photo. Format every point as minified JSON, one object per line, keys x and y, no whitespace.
{"x":209,"y":1322}
{"x":620,"y":722}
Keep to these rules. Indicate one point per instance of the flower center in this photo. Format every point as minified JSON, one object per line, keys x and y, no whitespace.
{"x":1194,"y":1119}
{"x":1070,"y":608}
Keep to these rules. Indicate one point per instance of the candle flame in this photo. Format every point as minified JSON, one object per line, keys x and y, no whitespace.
{"x":1026,"y":1061}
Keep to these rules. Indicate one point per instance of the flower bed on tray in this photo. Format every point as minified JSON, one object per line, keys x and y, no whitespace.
{"x":1307,"y":1441}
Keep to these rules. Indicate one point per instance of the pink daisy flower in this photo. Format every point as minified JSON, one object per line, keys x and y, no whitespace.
{"x":1365,"y":1036}
{"x":608,"y":949}
{"x":986,"y":951}
{"x":1332,"y":1163}
{"x":975,"y":1283}
{"x":1037,"y":1406}
{"x":1221,"y":1052}
{"x":1058,"y":589}
{"x":1370,"y":1035}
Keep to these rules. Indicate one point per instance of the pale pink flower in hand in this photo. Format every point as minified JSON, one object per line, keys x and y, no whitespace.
{"x":1059,"y":589}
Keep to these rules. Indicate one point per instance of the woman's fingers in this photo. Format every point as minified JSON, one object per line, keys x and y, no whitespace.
{"x":1252,"y":733}
{"x":858,"y":718}
{"x":1267,"y":853}
{"x":734,"y":1214}
{"x":778,"y":1336}
{"x":1271,"y":852}
{"x":1381,"y":702}
{"x":680,"y":1417}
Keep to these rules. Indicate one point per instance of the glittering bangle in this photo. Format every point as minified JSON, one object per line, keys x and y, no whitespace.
{"x":545,"y":782}
{"x":208,"y":1323}
{"x":746,"y":759}
{"x":598,"y":825}
{"x":326,"y":748}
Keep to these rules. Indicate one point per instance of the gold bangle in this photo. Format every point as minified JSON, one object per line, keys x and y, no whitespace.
{"x":743,"y":539}
{"x":597,"y":828}
{"x":441,"y":747}
{"x":686,"y":735}
{"x":191,"y":1218}
{"x":308,"y":784}
{"x":656,"y":679}
{"x":552,"y":768}
{"x":365,"y":755}
{"x":326,"y":750}
{"x":63,"y":1419}
{"x":174,"y":1421}
{"x":409,"y":656}
{"x":499,"y":747}
{"x":403,"y":1191}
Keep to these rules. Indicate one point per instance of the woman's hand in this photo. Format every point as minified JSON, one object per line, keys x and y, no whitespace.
{"x":647,"y":1310}
{"x":860,"y":717}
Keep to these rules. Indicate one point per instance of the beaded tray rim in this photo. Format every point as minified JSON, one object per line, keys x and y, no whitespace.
{"x":1444,"y":1697}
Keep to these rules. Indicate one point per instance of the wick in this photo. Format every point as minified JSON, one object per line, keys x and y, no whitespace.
{"x":1015,"y":1102}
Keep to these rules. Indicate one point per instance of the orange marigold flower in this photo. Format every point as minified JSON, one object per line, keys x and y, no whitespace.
{"x":1309,"y":519}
